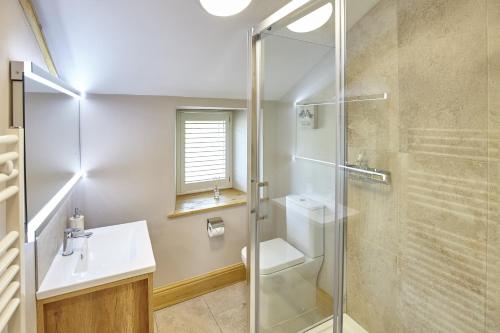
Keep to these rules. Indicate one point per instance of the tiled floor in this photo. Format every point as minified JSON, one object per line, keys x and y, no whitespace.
{"x":221,"y":311}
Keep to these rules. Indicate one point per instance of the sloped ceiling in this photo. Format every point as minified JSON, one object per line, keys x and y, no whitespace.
{"x":170,"y":47}
{"x":150,"y":47}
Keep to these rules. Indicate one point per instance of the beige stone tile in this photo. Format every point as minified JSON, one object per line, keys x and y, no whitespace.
{"x":442,"y":263}
{"x":493,"y":248}
{"x":378,"y":207}
{"x":493,"y":257}
{"x":434,"y":19}
{"x":493,"y":17}
{"x":494,"y":64}
{"x":226,"y":298}
{"x":435,"y":300}
{"x":373,"y":128}
{"x":234,"y":320}
{"x":417,"y":253}
{"x":493,"y":279}
{"x":372,"y":287}
{"x":449,"y":195}
{"x":449,"y":92}
{"x":372,"y":69}
{"x":442,"y":64}
{"x":192,"y":316}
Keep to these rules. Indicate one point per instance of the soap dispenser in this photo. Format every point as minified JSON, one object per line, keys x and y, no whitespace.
{"x":77,"y":221}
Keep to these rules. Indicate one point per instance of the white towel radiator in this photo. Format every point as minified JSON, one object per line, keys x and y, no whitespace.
{"x":12,"y":271}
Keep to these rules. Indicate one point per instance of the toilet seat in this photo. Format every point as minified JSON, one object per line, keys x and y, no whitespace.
{"x":276,"y":255}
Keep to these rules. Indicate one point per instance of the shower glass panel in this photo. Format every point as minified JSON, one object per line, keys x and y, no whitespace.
{"x":296,"y":152}
{"x":422,"y":105}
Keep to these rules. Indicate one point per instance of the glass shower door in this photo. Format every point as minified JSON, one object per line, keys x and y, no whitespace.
{"x":292,"y":221}
{"x":378,"y":131}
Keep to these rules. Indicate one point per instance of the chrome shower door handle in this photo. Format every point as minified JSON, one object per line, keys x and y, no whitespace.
{"x":262,"y":189}
{"x":263,"y":197}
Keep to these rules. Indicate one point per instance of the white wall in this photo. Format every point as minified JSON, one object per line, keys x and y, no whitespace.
{"x":16,"y":43}
{"x":128,"y":152}
{"x":240,"y":150}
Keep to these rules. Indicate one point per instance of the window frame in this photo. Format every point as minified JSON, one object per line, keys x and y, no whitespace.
{"x":182,"y":116}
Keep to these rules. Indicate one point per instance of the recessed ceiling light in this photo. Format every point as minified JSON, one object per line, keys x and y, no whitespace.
{"x":224,"y":7}
{"x":313,"y":20}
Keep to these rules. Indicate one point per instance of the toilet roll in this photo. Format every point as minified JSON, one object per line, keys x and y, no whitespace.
{"x":215,"y":227}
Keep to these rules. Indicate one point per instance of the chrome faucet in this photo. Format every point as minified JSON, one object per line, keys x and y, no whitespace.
{"x":69,"y":235}
{"x":67,"y":242}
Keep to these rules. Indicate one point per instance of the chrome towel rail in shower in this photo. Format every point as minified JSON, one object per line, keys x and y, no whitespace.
{"x":348,"y":99}
{"x":357,"y":172}
{"x":368,"y":174}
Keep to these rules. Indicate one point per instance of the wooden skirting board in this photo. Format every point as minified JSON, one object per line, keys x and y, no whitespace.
{"x":197,"y":286}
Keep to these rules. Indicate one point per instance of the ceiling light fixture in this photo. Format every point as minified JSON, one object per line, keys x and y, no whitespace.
{"x":312,"y":21}
{"x":224,"y":7}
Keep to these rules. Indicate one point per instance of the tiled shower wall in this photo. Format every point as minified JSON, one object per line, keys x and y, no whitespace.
{"x":423,"y":254}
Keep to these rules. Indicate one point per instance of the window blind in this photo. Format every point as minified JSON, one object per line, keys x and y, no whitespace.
{"x":205,"y":150}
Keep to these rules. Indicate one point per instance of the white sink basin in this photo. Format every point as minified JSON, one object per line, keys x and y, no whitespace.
{"x":110,"y":254}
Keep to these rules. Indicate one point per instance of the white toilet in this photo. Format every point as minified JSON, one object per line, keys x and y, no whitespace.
{"x":289,"y":269}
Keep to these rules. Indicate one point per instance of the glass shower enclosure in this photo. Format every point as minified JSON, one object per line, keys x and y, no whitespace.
{"x":374,"y":168}
{"x":295,"y":241}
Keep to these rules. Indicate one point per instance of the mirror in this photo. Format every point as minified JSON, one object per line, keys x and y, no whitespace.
{"x":51,"y":121}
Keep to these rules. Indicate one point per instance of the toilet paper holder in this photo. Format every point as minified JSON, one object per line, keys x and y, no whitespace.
{"x":215,"y":227}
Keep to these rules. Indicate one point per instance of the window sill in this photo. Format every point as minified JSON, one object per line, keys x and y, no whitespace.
{"x":189,"y":204}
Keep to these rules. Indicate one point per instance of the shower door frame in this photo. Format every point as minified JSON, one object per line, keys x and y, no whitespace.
{"x":254,"y":120}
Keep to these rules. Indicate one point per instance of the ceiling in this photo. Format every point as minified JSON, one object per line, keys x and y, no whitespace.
{"x":164,"y":47}
{"x":150,"y":47}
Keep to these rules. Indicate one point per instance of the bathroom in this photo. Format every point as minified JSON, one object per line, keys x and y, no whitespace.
{"x":272,"y":166}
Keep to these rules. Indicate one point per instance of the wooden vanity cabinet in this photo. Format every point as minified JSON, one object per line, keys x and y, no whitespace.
{"x":118,"y":307}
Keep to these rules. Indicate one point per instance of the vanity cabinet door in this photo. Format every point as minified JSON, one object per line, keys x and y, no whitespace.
{"x":122,"y":306}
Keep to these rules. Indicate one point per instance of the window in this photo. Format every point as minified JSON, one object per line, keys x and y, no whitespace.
{"x":203,"y":150}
